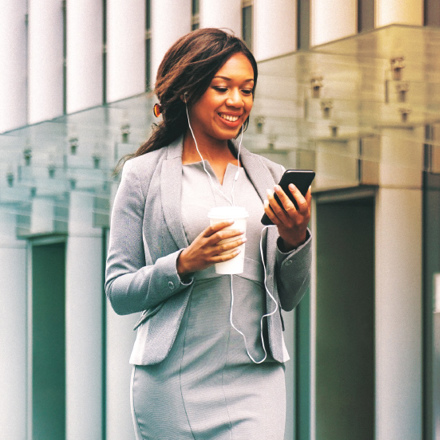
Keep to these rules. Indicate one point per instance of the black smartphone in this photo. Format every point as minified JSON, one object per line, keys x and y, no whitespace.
{"x":302,"y":179}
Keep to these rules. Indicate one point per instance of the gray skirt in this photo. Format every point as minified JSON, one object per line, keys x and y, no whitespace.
{"x":207,"y":387}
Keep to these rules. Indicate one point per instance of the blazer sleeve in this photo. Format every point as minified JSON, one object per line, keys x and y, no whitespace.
{"x":292,"y":271}
{"x":134,"y":283}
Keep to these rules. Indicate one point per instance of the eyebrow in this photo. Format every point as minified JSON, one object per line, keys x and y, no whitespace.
{"x":229,"y":79}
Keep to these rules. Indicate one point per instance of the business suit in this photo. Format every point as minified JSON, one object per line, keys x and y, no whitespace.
{"x":141,"y":275}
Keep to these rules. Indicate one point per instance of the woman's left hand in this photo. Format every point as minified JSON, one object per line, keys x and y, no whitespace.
{"x":290,"y":221}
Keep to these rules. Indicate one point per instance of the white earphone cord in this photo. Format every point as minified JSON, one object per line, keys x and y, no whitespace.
{"x":215,"y":187}
{"x":231,"y":202}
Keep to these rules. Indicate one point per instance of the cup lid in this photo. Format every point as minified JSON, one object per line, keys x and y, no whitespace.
{"x":228,"y":212}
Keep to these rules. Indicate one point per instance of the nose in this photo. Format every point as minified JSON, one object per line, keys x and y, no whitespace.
{"x":234,"y":98}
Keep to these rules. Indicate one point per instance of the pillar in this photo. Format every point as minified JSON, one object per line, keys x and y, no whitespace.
{"x":84,"y":55}
{"x":126,"y":48}
{"x":275,"y":28}
{"x":13,"y":325}
{"x":45,"y":68}
{"x":398,"y":287}
{"x":120,"y":340}
{"x":84,"y":314}
{"x":13,"y":51}
{"x":224,"y":14}
{"x":170,"y":20}
{"x":398,"y":11}
{"x":332,"y":19}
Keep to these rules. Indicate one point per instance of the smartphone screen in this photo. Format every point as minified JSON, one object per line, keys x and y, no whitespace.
{"x":302,"y":179}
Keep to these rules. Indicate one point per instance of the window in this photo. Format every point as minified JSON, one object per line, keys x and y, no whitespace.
{"x":148,"y":46}
{"x":303,"y":24}
{"x":195,"y":17}
{"x":365,"y":15}
{"x":104,"y":51}
{"x":64,"y":7}
{"x":247,"y":22}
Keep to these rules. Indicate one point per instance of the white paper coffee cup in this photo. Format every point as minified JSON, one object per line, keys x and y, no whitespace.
{"x":239,"y":215}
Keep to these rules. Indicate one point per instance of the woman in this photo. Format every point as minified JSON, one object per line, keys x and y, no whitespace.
{"x":203,"y":368}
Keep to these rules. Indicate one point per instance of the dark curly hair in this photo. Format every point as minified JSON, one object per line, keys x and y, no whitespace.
{"x":187,"y":70}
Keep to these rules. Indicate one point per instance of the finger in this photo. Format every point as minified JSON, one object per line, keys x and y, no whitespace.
{"x":225,"y":234}
{"x":226,"y":256}
{"x":287,"y":204}
{"x":303,"y":204}
{"x":276,"y":207}
{"x":269,"y":212}
{"x":212,"y":229}
{"x":309,"y":196}
{"x":228,"y":245}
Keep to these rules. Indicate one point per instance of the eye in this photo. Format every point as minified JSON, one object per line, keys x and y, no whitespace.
{"x":220,"y":89}
{"x":247,"y":92}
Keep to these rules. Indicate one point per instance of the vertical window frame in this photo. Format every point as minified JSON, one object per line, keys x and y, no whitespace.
{"x":195,"y":15}
{"x":148,"y":45}
{"x":247,"y":25}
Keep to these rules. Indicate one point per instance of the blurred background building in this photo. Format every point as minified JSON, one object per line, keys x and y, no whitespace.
{"x":350,"y":88}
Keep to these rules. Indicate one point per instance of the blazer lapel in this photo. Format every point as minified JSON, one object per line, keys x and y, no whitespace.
{"x":171,"y":190}
{"x":258,"y":174}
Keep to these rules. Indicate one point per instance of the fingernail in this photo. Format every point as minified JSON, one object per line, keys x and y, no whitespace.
{"x":269,"y":193}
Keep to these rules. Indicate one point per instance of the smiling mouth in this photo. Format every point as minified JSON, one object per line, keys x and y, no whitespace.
{"x":229,"y":118}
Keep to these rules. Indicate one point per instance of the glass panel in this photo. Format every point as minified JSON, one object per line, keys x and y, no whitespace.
{"x":355,"y":110}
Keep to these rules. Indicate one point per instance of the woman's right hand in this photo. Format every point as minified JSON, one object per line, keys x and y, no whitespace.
{"x":208,"y":248}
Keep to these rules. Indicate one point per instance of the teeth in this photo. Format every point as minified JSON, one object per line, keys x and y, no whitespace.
{"x":229,"y":117}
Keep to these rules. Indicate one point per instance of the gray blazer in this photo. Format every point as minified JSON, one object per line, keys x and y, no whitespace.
{"x":147,"y":235}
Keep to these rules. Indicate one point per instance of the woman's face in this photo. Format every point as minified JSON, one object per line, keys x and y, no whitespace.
{"x":221,"y":111}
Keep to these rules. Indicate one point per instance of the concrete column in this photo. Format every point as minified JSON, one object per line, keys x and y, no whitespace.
{"x":42,"y":215}
{"x":84,"y":55}
{"x":224,"y":14}
{"x":289,"y":337}
{"x":126,"y":48}
{"x":13,"y":52}
{"x":398,"y":11}
{"x":398,"y":289}
{"x":332,"y":19}
{"x":170,"y":20}
{"x":84,"y":306}
{"x":120,"y":340}
{"x":275,"y":28}
{"x":45,"y":68}
{"x":13,"y":369}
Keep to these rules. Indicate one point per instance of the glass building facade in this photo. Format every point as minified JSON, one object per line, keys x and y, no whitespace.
{"x":357,"y":101}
